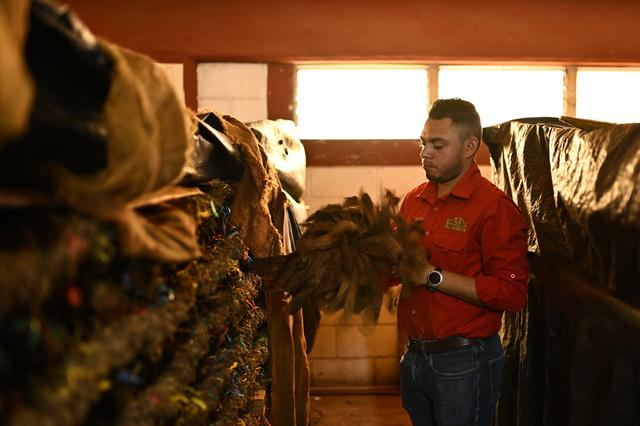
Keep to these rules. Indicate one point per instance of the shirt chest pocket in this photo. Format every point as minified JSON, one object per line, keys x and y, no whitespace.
{"x":452,"y":251}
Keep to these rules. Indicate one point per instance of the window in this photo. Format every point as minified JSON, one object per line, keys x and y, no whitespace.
{"x":505,"y":93}
{"x":361,"y":103}
{"x":391,"y":102}
{"x":608,"y":94}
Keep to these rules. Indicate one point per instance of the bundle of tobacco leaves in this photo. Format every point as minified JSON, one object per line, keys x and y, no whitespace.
{"x":348,"y":256}
{"x":99,"y":338}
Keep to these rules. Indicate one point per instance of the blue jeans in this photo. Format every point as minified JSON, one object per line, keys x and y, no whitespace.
{"x":455,"y":388}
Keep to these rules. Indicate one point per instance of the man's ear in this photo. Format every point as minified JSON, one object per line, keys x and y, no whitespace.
{"x":471,"y":146}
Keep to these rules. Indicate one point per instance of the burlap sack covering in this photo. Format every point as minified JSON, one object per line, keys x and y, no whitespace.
{"x":16,"y":85}
{"x":149,"y":134}
{"x":149,"y":137}
{"x":258,"y":212}
{"x":161,"y":232}
{"x":258,"y":207}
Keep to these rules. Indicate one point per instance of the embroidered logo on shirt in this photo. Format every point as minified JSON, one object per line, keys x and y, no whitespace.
{"x":456,"y":223}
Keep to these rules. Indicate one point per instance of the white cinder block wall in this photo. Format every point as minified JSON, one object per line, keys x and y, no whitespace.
{"x":235,"y":89}
{"x":346,"y":354}
{"x":175,"y":72}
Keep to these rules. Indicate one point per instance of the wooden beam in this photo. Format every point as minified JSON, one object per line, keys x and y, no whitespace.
{"x":570,"y":79}
{"x":191,"y":83}
{"x":432,"y":81}
{"x":281,"y":91}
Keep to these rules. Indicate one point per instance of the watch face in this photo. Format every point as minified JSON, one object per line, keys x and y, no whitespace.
{"x":434,"y":277}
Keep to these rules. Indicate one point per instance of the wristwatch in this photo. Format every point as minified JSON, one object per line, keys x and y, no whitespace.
{"x":434,"y":279}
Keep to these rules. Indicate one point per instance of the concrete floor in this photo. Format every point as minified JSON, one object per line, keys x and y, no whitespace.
{"x":357,"y":410}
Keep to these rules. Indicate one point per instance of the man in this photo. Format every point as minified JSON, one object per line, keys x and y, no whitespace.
{"x":476,"y":243}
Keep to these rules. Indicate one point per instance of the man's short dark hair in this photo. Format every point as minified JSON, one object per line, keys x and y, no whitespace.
{"x":462,"y":114}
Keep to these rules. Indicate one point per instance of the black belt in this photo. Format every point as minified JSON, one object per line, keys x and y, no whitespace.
{"x":421,"y":346}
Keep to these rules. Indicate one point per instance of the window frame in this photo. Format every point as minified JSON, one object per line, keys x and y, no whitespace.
{"x":403,"y":152}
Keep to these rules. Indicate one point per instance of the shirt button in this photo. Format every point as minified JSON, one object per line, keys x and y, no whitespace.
{"x":435,"y":209}
{"x":413,"y":312}
{"x":513,"y":275}
{"x":426,"y":233}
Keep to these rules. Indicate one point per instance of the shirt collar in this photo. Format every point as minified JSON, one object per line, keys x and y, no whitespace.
{"x":462,"y":189}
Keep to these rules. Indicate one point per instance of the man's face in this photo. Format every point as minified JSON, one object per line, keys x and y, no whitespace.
{"x":441,"y":151}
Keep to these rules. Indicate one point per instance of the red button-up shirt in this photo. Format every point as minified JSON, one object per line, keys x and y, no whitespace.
{"x":476,"y":231}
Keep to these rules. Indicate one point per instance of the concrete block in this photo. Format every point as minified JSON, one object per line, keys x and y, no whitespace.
{"x":324,"y":345}
{"x":222,"y":105}
{"x":358,"y":320}
{"x":342,"y":181}
{"x":175,"y":72}
{"x":241,"y":109}
{"x":248,"y":109}
{"x":485,"y":171}
{"x":387,"y":371}
{"x":340,"y":318}
{"x":387,"y":316}
{"x":331,"y":319}
{"x":232,"y":80}
{"x":366,"y":341}
{"x":401,"y":178}
{"x":316,"y":203}
{"x":342,"y":372}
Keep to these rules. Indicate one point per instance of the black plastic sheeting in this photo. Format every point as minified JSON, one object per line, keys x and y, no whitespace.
{"x":213,"y":155}
{"x":285,"y":151}
{"x":572,"y":354}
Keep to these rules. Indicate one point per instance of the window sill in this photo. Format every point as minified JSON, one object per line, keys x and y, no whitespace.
{"x":369,"y":152}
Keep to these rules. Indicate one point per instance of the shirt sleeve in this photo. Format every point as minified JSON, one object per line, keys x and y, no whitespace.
{"x":505,"y":272}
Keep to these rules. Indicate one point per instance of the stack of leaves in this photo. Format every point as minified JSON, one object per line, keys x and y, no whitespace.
{"x":348,"y":255}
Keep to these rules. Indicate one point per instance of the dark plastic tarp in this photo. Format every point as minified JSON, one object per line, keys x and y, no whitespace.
{"x":571,"y":357}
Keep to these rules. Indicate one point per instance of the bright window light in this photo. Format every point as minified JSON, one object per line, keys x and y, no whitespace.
{"x":608,"y":94}
{"x":363,"y":103}
{"x":504,"y":93}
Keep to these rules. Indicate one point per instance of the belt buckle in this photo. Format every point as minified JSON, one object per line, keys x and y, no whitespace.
{"x":414,"y":346}
{"x":419,"y":345}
